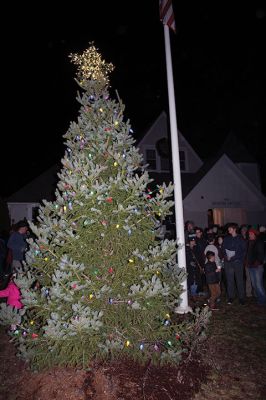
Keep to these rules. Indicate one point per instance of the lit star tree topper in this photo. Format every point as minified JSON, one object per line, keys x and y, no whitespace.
{"x":97,"y":283}
{"x":91,"y":66}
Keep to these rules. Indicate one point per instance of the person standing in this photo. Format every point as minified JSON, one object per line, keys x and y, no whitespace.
{"x":212,"y":272}
{"x":189,"y":232}
{"x":194,"y":281}
{"x":234,"y":251}
{"x":255,"y":257}
{"x":244,"y":232}
{"x":17,"y":245}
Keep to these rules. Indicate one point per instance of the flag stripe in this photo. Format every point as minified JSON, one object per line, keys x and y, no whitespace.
{"x":167,"y":13}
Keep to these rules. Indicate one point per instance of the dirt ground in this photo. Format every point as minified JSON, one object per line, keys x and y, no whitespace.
{"x":230,"y":365}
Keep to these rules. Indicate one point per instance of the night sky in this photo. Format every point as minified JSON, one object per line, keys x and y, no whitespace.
{"x":219,"y":71}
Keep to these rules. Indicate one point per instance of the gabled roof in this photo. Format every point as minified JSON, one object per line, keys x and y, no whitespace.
{"x":209,"y":165}
{"x":42,"y":187}
{"x":235,"y":150}
{"x":232,"y":148}
{"x":164,"y":119}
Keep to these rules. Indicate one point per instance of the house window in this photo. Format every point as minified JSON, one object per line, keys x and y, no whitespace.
{"x":151,"y":158}
{"x":164,"y":164}
{"x":182,"y":159}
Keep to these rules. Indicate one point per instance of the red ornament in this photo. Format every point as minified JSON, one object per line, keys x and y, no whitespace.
{"x":148,"y":196}
{"x":34,"y":335}
{"x":177,"y":336}
{"x":109,"y":199}
{"x":104,"y":222}
{"x":74,"y":286}
{"x":107,"y":129}
{"x":110,"y":270}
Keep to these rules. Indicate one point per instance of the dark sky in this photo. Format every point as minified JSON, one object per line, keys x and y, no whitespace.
{"x":219,"y":71}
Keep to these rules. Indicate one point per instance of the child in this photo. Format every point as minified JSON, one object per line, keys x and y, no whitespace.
{"x":12,"y":293}
{"x":211,"y":247}
{"x":212,"y":278}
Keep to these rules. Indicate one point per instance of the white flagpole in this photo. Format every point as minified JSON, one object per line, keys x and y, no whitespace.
{"x":179,"y":218}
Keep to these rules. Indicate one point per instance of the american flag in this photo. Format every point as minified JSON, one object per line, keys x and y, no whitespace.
{"x":167,"y":13}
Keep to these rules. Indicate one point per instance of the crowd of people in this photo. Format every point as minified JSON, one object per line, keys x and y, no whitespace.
{"x":229,"y":258}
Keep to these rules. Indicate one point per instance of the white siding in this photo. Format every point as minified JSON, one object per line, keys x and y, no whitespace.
{"x":159,"y":131}
{"x":19,"y":211}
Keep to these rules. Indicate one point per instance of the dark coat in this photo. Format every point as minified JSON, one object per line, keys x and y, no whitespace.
{"x":255,"y":253}
{"x":210,"y":272}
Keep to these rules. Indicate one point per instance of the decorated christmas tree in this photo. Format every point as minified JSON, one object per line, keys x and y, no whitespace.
{"x":97,"y":283}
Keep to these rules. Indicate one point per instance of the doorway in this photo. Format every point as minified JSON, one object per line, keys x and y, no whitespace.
{"x":222,"y":216}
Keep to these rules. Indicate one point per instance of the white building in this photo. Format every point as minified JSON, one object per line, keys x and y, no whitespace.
{"x":224,"y":189}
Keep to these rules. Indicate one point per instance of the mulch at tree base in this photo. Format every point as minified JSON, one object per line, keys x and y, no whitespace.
{"x":117,"y":380}
{"x":234,"y":366}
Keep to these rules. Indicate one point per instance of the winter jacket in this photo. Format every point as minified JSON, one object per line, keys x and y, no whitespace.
{"x":255,"y":253}
{"x":17,"y":243}
{"x":236,"y":244}
{"x":210,"y":272}
{"x":13,"y":295}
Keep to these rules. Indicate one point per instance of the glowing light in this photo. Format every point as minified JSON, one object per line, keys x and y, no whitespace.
{"x":91,"y":65}
{"x":45,"y":258}
{"x":127,"y":343}
{"x":117,"y":226}
{"x":131,"y":260}
{"x":32,"y":322}
{"x":91,"y":296}
{"x":115,"y":164}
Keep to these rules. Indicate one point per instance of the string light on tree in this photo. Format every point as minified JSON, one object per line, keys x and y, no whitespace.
{"x":106,"y":284}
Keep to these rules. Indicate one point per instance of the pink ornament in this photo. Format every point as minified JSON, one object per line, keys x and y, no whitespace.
{"x":109,"y":199}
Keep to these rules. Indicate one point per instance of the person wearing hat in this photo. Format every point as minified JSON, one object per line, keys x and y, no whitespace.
{"x":255,"y":257}
{"x":17,"y":245}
